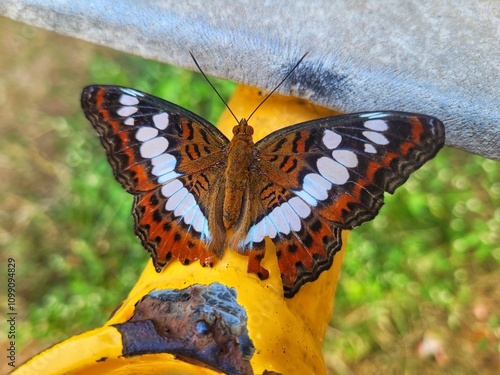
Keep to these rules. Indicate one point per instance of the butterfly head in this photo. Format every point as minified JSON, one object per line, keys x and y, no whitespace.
{"x":243,"y":129}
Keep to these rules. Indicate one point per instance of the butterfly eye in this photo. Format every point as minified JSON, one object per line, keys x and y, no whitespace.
{"x":236,"y":130}
{"x":249,"y":130}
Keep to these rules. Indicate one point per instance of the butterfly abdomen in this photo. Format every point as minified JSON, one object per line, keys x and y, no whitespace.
{"x":239,"y":161}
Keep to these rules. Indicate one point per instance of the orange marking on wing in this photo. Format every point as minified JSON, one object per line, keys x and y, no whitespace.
{"x":417,"y":129}
{"x":406,"y":148}
{"x":388,"y":158}
{"x":301,"y":142}
{"x":333,"y":212}
{"x":142,"y":180}
{"x":167,"y":239}
{"x":358,"y":188}
{"x":124,"y":138}
{"x":115,"y":124}
{"x":99,"y":101}
{"x":186,"y":132}
{"x":191,"y":151}
{"x":291,"y":163}
{"x":105,"y":114}
{"x":372,"y":168}
{"x":295,"y":259}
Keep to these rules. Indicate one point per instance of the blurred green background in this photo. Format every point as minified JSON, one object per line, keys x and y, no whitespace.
{"x":419,"y":287}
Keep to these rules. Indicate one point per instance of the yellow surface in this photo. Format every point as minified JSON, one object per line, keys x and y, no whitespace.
{"x":99,"y":352}
{"x":287,"y":333}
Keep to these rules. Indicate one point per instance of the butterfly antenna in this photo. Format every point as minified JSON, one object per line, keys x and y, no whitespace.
{"x":279,"y":84}
{"x":213,"y":87}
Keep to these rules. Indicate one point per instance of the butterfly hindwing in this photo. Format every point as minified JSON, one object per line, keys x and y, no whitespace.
{"x":316,"y":178}
{"x":167,"y":157}
{"x":305,"y":242}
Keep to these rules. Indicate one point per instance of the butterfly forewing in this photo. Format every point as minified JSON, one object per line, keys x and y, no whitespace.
{"x":344,"y":164}
{"x":316,"y":178}
{"x":169,"y":158}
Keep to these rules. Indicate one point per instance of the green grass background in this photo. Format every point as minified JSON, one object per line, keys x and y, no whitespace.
{"x":426,"y":265}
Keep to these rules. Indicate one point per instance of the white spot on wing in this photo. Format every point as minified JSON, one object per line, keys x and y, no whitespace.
{"x":189,"y":216}
{"x":376,"y":137}
{"x":129,"y":121}
{"x":345,"y":157}
{"x":205,"y":234}
{"x":332,"y":171}
{"x":168,"y":176}
{"x":300,"y":207}
{"x":198,"y":221}
{"x":176,"y":199}
{"x":127,"y":111}
{"x":146,"y":133}
{"x":249,"y":239}
{"x":163,"y":164}
{"x":153,"y":147}
{"x":316,"y":186}
{"x":270,"y":228}
{"x":281,"y":219}
{"x":161,"y":120}
{"x":378,"y":125}
{"x":278,"y":219}
{"x":131,"y":92}
{"x":185,"y":205}
{"x":331,"y":139}
{"x":160,"y":159}
{"x":374,"y":115}
{"x":306,"y":197}
{"x":128,"y":100}
{"x":259,"y":231}
{"x":170,"y":188}
{"x":370,"y":149}
{"x":195,"y":218}
{"x":291,"y":216}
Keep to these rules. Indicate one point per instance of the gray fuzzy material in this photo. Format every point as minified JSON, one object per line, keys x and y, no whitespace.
{"x":433,"y":57}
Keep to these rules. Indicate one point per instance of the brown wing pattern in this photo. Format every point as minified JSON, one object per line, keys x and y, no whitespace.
{"x":167,"y":157}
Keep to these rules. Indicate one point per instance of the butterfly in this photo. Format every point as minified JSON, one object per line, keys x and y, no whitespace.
{"x":300,"y":186}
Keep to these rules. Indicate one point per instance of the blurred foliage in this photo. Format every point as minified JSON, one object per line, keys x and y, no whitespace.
{"x":433,"y":241}
{"x":415,"y":267}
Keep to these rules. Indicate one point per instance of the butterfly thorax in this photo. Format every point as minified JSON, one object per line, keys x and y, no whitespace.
{"x":239,"y":160}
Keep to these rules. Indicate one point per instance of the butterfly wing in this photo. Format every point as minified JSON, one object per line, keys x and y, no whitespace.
{"x":170,"y":159}
{"x":314,"y":179}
